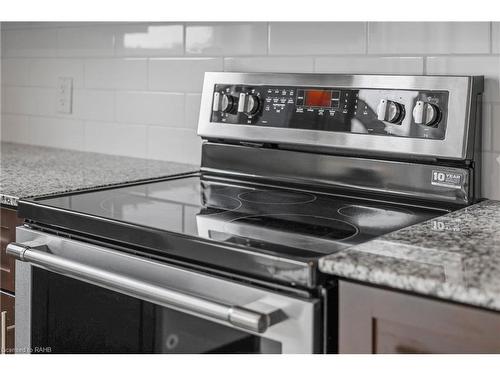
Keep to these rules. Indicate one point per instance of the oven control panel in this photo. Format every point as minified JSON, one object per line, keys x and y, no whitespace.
{"x":400,"y":113}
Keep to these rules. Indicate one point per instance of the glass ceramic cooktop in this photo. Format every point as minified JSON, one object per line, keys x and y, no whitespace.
{"x":279,"y":220}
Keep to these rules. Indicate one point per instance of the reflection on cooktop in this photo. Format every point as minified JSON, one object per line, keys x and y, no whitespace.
{"x":198,"y":207}
{"x":355,"y":210}
{"x":221,"y":202}
{"x":377,"y":217}
{"x":303,"y":225}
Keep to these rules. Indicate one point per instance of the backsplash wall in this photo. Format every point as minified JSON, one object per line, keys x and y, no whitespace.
{"x":136,"y":86}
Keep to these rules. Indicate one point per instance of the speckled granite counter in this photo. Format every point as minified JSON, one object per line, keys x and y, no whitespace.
{"x":29,"y":171}
{"x":454,"y":257}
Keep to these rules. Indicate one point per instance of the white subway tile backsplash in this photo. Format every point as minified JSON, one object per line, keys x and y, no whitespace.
{"x":316,"y":38}
{"x":29,"y":101}
{"x":489,"y":66}
{"x":153,"y":108}
{"x":94,"y":105}
{"x":181,"y":145}
{"x":269,"y":64}
{"x":3,"y":98}
{"x":45,"y":72}
{"x":486,"y":128}
{"x":16,"y":72}
{"x":370,"y":65}
{"x":116,"y":139}
{"x":37,"y":101}
{"x":192,"y":111}
{"x":121,"y":74}
{"x":88,"y":41}
{"x":181,"y":74}
{"x":16,"y":128}
{"x":149,"y":40}
{"x":30,"y":42}
{"x":42,"y":72}
{"x":12,"y":100}
{"x":57,"y":132}
{"x":2,"y":44}
{"x":495,"y":37}
{"x":217,"y":39}
{"x":428,"y":37}
{"x":137,"y":85}
{"x":491,"y":175}
{"x":495,"y":128}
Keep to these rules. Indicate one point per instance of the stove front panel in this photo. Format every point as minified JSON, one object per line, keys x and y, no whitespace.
{"x":417,"y":117}
{"x":335,"y":109}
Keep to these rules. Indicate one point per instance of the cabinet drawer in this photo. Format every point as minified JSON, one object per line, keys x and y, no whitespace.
{"x":373,"y":320}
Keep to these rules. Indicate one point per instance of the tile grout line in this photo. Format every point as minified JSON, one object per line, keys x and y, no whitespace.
{"x":115,"y":110}
{"x":491,"y":37}
{"x":491,"y":128}
{"x":148,"y":76}
{"x":184,"y":33}
{"x":367,"y":33}
{"x":268,"y":39}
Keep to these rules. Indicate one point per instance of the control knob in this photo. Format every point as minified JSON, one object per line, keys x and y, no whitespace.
{"x":248,"y":104}
{"x":390,"y":111}
{"x":227,"y":103}
{"x":425,"y":113}
{"x":223,"y":102}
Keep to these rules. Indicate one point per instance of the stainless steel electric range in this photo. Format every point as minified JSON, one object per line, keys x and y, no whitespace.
{"x":294,"y":167}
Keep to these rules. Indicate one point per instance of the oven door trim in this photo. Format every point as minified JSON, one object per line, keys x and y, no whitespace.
{"x":293,"y":321}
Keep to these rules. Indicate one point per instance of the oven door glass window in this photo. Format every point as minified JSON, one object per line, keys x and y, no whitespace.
{"x":70,"y":316}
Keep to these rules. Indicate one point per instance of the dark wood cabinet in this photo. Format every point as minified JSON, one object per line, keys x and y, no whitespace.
{"x":7,"y":322}
{"x":9,"y":221}
{"x":374,"y":320}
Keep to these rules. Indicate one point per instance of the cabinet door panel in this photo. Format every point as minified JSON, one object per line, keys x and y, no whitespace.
{"x":9,"y":221}
{"x":7,"y":315}
{"x":374,"y":320}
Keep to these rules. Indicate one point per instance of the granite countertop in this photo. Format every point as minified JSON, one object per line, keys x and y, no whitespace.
{"x":454,"y":257}
{"x":32,"y":171}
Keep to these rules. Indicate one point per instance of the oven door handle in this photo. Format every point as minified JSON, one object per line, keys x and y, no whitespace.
{"x":235,"y":315}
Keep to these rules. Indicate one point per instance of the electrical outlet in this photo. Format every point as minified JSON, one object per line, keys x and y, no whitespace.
{"x":64,"y":95}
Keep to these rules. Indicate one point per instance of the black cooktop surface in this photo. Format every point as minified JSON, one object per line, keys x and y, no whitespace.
{"x":276,"y":221}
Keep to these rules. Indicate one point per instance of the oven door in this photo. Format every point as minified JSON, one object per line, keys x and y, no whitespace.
{"x":75,"y":297}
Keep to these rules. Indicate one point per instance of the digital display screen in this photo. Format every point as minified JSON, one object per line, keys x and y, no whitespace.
{"x":318,"y":98}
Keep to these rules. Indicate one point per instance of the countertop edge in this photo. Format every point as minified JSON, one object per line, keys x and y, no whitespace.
{"x":458,"y":264}
{"x":473,"y":297}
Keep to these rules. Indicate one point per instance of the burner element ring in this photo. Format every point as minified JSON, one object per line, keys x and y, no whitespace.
{"x":301,"y":225}
{"x":219,"y":203}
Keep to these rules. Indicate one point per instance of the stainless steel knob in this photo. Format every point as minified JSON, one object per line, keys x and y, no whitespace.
{"x":252,"y":105}
{"x":227,"y":103}
{"x":248,"y":104}
{"x":390,"y":111}
{"x":425,"y":113}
